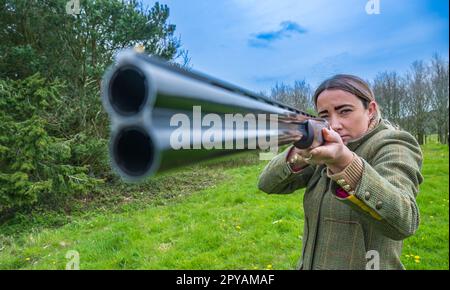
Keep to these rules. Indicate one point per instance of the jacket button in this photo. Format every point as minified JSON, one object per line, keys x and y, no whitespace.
{"x":347,"y":187}
{"x":341,"y":182}
{"x":379,"y":205}
{"x":367,"y":195}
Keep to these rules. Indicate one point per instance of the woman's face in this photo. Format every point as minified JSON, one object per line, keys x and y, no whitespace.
{"x":345,"y":112}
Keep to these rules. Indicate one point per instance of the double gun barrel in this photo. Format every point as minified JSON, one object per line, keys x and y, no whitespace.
{"x":147,"y":99}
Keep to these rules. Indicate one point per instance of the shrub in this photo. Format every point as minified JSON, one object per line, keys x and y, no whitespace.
{"x":35,"y":165}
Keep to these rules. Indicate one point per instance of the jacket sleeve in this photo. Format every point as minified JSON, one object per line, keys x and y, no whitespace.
{"x":277,"y":176}
{"x":387,"y":190}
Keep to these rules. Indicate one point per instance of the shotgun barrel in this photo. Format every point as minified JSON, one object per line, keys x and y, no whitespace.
{"x":163,"y":116}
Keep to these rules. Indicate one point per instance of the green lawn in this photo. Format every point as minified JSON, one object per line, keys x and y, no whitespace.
{"x":223,"y":222}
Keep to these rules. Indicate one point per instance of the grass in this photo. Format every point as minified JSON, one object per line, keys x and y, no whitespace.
{"x":219,"y":221}
{"x":431,"y":242}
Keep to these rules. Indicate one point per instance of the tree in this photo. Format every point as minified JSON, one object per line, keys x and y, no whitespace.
{"x":390,"y":92}
{"x":79,"y":46}
{"x":418,"y":100}
{"x":298,"y":96}
{"x":54,"y":61}
{"x":439,"y":71}
{"x":39,"y":36}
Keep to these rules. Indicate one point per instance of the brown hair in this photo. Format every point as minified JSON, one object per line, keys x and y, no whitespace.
{"x":348,"y":83}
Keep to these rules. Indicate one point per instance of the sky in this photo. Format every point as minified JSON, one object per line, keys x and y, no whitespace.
{"x":257,"y":43}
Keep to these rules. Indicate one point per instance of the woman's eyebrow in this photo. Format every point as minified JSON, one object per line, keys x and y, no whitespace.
{"x":342,"y":106}
{"x":337,"y":108}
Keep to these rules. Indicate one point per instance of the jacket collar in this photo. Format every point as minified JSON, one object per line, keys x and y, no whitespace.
{"x":354,"y":144}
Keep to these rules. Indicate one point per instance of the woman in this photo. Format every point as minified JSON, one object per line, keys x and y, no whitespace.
{"x":361,"y":185}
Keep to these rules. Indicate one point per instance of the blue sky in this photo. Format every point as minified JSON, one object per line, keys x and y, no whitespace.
{"x":257,"y":43}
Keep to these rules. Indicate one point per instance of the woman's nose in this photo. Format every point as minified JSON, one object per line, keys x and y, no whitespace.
{"x":335,"y":124}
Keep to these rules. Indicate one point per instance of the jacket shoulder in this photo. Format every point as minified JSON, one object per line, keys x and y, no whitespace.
{"x":390,"y":140}
{"x":391,"y":135}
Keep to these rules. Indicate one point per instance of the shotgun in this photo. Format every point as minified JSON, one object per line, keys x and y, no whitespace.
{"x":163,"y":116}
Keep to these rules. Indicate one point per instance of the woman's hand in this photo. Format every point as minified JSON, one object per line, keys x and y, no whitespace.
{"x":334,"y":154}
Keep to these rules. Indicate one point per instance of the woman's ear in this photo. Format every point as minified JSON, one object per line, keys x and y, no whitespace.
{"x":373,"y":109}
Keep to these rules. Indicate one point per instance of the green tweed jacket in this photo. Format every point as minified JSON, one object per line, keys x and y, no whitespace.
{"x":344,"y":233}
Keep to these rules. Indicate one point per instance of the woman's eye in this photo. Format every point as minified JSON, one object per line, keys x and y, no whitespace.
{"x":345,"y":111}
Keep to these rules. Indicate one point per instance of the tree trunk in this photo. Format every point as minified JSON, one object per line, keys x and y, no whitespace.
{"x":420,"y":138}
{"x":446,"y":136}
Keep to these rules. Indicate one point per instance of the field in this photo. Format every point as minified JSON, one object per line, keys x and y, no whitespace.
{"x":208,"y":216}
